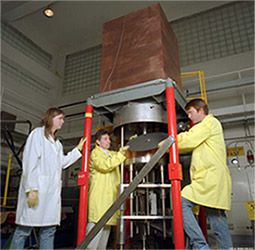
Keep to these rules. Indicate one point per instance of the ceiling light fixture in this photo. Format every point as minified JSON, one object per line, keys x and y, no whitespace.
{"x":235,"y":161}
{"x":48,"y":12}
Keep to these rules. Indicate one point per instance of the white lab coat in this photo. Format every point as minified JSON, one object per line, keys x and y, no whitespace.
{"x":43,"y":161}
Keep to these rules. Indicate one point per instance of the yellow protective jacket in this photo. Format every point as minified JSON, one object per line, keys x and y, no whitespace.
{"x":104,"y":183}
{"x":210,"y":178}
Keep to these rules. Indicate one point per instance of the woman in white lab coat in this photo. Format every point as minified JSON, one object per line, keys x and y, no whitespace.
{"x":39,"y":200}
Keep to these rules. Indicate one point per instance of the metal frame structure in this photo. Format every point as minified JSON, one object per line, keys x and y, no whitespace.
{"x":201,"y":76}
{"x":6,"y":132}
{"x":162,"y":91}
{"x":123,"y":196}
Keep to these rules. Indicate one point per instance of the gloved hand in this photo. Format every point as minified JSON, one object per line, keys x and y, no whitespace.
{"x":80,"y":144}
{"x":124,"y":149}
{"x":133,"y":137}
{"x":32,"y":199}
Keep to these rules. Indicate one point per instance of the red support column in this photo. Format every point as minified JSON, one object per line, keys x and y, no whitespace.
{"x":202,"y":221}
{"x":83,"y":176}
{"x":174,"y":171}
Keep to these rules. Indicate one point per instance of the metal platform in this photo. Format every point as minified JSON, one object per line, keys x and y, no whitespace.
{"x":151,"y":91}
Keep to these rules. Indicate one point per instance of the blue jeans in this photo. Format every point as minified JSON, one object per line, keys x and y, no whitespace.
{"x":46,"y":237}
{"x":218,"y":221}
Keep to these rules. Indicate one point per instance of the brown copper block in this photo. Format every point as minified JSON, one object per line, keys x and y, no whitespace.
{"x":138,"y":47}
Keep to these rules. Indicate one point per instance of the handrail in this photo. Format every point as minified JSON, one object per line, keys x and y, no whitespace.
{"x":201,"y":77}
{"x":11,"y":146}
{"x":9,"y":139}
{"x":16,"y":121}
{"x":7,"y":180}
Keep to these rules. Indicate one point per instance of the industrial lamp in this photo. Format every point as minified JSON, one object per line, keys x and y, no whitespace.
{"x":48,"y":12}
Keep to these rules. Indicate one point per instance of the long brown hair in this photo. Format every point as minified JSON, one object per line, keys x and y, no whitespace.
{"x":47,"y":119}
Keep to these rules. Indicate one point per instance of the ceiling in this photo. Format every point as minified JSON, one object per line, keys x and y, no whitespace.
{"x":77,"y":25}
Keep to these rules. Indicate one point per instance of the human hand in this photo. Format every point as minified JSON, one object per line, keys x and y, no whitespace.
{"x":133,"y":137}
{"x":124,"y":149}
{"x":80,"y":144}
{"x":32,"y":199}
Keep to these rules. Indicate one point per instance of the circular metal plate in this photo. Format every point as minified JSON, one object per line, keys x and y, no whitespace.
{"x":146,"y":142}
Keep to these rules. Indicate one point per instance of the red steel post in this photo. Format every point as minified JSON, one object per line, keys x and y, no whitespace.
{"x":202,"y":221}
{"x":83,"y":176}
{"x":174,"y":171}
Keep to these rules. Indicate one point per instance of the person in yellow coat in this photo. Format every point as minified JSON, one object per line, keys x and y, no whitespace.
{"x":210,"y":177}
{"x":104,"y":184}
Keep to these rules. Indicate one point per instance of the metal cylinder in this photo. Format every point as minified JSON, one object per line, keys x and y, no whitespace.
{"x":139,"y":112}
{"x":142,"y":157}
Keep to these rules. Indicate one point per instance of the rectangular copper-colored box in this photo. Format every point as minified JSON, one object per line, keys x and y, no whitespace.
{"x":138,"y":47}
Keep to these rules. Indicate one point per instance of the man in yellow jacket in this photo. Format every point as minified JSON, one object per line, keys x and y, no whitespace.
{"x":210,"y":178}
{"x":104,"y":186}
